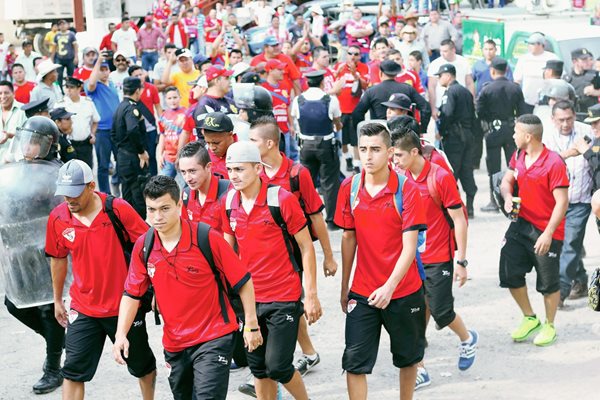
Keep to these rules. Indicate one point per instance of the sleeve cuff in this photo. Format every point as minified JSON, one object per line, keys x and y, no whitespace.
{"x":317,"y":211}
{"x":241,"y":282}
{"x":455,"y":206}
{"x":419,"y":227}
{"x":125,"y":293}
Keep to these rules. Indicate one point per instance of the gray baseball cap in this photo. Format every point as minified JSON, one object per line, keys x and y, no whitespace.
{"x":243,"y":152}
{"x":72,"y":178}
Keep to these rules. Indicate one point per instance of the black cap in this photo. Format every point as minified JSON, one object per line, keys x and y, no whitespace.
{"x":315,"y":76}
{"x":449,"y":68}
{"x":555,"y":65}
{"x":593,"y":114}
{"x":131,"y":84}
{"x":398,"y":100}
{"x":251,"y":77}
{"x":60,"y":113}
{"x":73,"y":82}
{"x":580,"y":53}
{"x":499,"y":64}
{"x":390,"y":67}
{"x":216,"y":122}
{"x":35,"y":107}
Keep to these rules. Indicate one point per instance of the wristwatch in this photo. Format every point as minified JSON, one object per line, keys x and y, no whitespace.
{"x":463,"y":263}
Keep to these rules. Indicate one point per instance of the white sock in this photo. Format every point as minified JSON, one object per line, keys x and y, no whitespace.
{"x":469,"y":340}
{"x":312,"y":357}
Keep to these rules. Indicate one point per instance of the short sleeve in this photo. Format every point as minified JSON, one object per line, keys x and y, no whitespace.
{"x":312,"y":201}
{"x":227,"y":261}
{"x":292,"y":70}
{"x":225,"y":226}
{"x":291,"y":212}
{"x":518,"y":73}
{"x":155,"y":97}
{"x":189,"y":123}
{"x":448,"y":189}
{"x":557,"y":177}
{"x":512,"y":165}
{"x":54,"y":242}
{"x":343,"y":209}
{"x":137,"y":281}
{"x":95,"y":114}
{"x":413,"y":212}
{"x":334,"y":107}
{"x":131,"y":220}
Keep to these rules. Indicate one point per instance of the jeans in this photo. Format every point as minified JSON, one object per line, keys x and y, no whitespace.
{"x":168,"y":169}
{"x":151,"y":140}
{"x":571,"y":265}
{"x":291,"y":147}
{"x":104,"y":146}
{"x":67,"y":63}
{"x":149,"y":60}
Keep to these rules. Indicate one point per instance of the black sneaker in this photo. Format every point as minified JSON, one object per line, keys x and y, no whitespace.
{"x":491,"y":207}
{"x":50,"y":381}
{"x":247,"y":389}
{"x":304,"y":364}
{"x":349,"y":167}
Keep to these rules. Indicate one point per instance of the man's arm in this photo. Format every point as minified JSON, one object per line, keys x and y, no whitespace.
{"x":470,"y":84}
{"x":58,"y":268}
{"x":348,"y":254}
{"x":460,"y":232}
{"x":76,"y":51}
{"x":423,"y":107}
{"x":506,"y":190}
{"x":312,"y":307}
{"x":95,"y":74}
{"x":127,"y":311}
{"x":329,"y":264}
{"x":166,"y":76}
{"x":252,"y":340}
{"x":431,"y":89}
{"x":358,"y":115}
{"x":561,"y":196}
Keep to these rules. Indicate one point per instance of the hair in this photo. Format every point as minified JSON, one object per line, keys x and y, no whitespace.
{"x":533,"y":125}
{"x":354,"y":46}
{"x":269,"y":128}
{"x":238,"y":51}
{"x":393,"y":52}
{"x":406,"y":139}
{"x":381,"y":40}
{"x":317,"y":51}
{"x":35,"y":60}
{"x":8,"y":85}
{"x":170,"y":46}
{"x":403,"y":121}
{"x":160,"y":185}
{"x":27,"y":43}
{"x":133,"y":68}
{"x":124,"y":19}
{"x":18,"y":65}
{"x":171,"y":89}
{"x":195,"y":150}
{"x":449,"y":43}
{"x":556,"y":71}
{"x":417,"y":55}
{"x":559,"y":105}
{"x":377,"y":129}
{"x":490,"y":42}
{"x":315,"y":82}
{"x":127,"y":91}
{"x":111,"y":24}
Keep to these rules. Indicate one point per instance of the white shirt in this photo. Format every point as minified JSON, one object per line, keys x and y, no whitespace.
{"x":529,"y":71}
{"x":264,"y":15}
{"x":125,"y":41}
{"x":27,"y":63}
{"x":3,"y":53}
{"x":313,"y":94}
{"x":117,"y":79}
{"x":85,"y":115}
{"x":462,"y":70}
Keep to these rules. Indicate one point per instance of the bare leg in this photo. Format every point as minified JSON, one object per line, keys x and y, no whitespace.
{"x":147,"y":385}
{"x":357,"y":386}
{"x":266,"y":389}
{"x":408,"y":376}
{"x":296,"y":387}
{"x":303,"y":338}
{"x":458,"y":327}
{"x":73,"y":390}
{"x":551,"y":304}
{"x":522,"y":299}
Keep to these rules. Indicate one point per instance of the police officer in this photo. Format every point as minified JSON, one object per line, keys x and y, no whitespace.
{"x":317,"y":116}
{"x":39,"y":107}
{"x":62,"y":119}
{"x":253,"y":101}
{"x":582,"y":77}
{"x":499,"y":102}
{"x":129,"y":136}
{"x":374,"y":97}
{"x":591,"y":149}
{"x":28,"y":266}
{"x":457,"y":115}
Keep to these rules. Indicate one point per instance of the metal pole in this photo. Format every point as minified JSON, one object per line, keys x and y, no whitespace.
{"x":78,"y":15}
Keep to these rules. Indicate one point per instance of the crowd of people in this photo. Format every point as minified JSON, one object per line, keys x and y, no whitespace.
{"x":213,"y":167}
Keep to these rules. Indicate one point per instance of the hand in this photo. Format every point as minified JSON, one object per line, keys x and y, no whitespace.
{"x":60,"y":313}
{"x":542,"y":245}
{"x":93,"y":139}
{"x":160,"y":161}
{"x":460,"y":275}
{"x":144,"y":159}
{"x":381,"y":297}
{"x":172,"y":59}
{"x":508,"y":203}
{"x":338,"y":85}
{"x":252,"y":340}
{"x":3,"y":137}
{"x":121,"y":345}
{"x":588,"y":90}
{"x":344,"y":300}
{"x":581,"y":145}
{"x":330,"y":266}
{"x":312,"y":309}
{"x":435,"y":114}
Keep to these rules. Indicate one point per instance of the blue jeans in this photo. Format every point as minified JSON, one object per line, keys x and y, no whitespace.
{"x":168,"y":169}
{"x":104,"y":147}
{"x":291,"y":147}
{"x":149,"y":60}
{"x":151,"y":147}
{"x":571,"y":265}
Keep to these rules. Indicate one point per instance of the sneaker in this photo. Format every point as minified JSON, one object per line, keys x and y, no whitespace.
{"x":547,"y":335}
{"x":529,"y":325}
{"x":423,"y":378}
{"x":467,"y":352}
{"x":491,"y":207}
{"x":349,"y":165}
{"x":578,"y":291}
{"x":304,"y":364}
{"x":51,"y":381}
{"x":247,"y":389}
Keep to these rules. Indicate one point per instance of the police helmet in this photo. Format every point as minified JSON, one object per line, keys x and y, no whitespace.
{"x":38,"y":138}
{"x":556,"y":89}
{"x":255,"y":100}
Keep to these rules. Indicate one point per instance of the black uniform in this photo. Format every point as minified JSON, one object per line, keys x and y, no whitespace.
{"x":457,"y":115}
{"x":374,"y":97}
{"x":580,"y":82}
{"x":66,"y":150}
{"x":129,"y":136}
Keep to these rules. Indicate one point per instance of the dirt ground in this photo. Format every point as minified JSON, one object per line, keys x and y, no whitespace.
{"x":502,"y":370}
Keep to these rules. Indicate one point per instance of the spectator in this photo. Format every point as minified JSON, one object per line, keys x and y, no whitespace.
{"x":118,"y":75}
{"x":582,"y":77}
{"x":89,"y":59}
{"x":171,"y":125}
{"x":410,"y":43}
{"x":297,"y":29}
{"x":26,"y":60}
{"x":277,"y":31}
{"x":10,"y":58}
{"x":123,"y":40}
{"x":11,"y":117}
{"x":358,"y":31}
{"x":263,"y":14}
{"x":149,"y":39}
{"x":235,"y":57}
{"x":317,"y":27}
{"x":46,"y":87}
{"x":66,"y":51}
{"x":415,"y":63}
{"x":435,"y":32}
{"x":185,"y":78}
{"x":191,"y":29}
{"x":49,"y":38}
{"x":407,"y":76}
{"x":4,"y":73}
{"x":380,"y":51}
{"x":106,"y":43}
{"x":212,"y":27}
{"x":233,"y":37}
{"x":160,"y":66}
{"x":272,"y":49}
{"x":22,"y":87}
{"x":201,"y":39}
{"x":481,"y":68}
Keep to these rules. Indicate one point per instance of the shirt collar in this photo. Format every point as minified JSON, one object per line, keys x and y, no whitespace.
{"x":185,"y":241}
{"x":392,"y":184}
{"x":211,"y":196}
{"x":423,"y":175}
{"x":283,"y":169}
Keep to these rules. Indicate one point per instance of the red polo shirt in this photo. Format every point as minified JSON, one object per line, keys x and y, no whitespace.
{"x":439,"y":244}
{"x":209,"y":212}
{"x":99,"y":271}
{"x":262,"y":247}
{"x":374,"y":72}
{"x":348,"y":102}
{"x":150,"y":96}
{"x":379,"y":231}
{"x":82,"y":73}
{"x":280,"y":94}
{"x":536,"y":184}
{"x":185,"y":286}
{"x":291,"y":70}
{"x":311,"y":201}
{"x":23,"y":92}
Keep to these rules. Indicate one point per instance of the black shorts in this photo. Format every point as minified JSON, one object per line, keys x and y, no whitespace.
{"x":349,"y":134}
{"x":278,"y":323}
{"x":85,"y":340}
{"x":403,"y":319}
{"x":517,"y":258}
{"x":202,"y":369}
{"x":438,"y":290}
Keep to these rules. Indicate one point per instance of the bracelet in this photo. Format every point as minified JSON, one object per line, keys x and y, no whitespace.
{"x":248,"y":329}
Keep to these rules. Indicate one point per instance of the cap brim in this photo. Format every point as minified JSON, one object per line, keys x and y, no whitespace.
{"x":69,"y":190}
{"x":589,"y":120}
{"x":391,"y":104}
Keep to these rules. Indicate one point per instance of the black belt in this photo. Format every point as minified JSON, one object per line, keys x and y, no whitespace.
{"x":78,"y":142}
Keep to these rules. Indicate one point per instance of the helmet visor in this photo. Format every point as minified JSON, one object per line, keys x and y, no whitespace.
{"x":243,"y":95}
{"x":33,"y":144}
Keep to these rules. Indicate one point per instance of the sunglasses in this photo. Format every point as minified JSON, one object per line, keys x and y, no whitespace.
{"x":120,"y":60}
{"x":411,"y":33}
{"x":353,"y":54}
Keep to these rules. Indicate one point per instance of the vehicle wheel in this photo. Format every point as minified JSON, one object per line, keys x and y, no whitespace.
{"x":38,"y":43}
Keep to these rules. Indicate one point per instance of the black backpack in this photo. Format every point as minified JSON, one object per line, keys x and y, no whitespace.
{"x":221,"y":190}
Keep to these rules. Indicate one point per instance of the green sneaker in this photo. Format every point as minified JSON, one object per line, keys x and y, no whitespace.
{"x":528,"y":326}
{"x":547,"y":335}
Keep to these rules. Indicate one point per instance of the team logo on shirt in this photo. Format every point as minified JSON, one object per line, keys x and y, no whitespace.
{"x":184,"y":196}
{"x":232,"y":224}
{"x":351,"y":306}
{"x":69,"y":234}
{"x":72,"y":316}
{"x":190,"y":214}
{"x":151,"y":270}
{"x":168,"y":367}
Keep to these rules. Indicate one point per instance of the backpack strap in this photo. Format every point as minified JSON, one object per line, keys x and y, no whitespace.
{"x":294,"y":172}
{"x":398,"y":200}
{"x":204,"y":246}
{"x":301,"y":100}
{"x":354,"y":188}
{"x":432,"y":185}
{"x":185,"y":195}
{"x":222,"y":187}
{"x":147,"y":249}
{"x":229,"y":202}
{"x":116,"y":222}
{"x":275,"y":210}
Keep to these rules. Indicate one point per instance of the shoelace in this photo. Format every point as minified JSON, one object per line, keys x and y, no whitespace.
{"x":466,"y":350}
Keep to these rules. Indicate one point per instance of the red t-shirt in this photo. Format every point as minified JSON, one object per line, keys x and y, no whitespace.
{"x":310,"y":197}
{"x":23,"y":92}
{"x":374,"y":72}
{"x":262,"y":247}
{"x":291,"y":71}
{"x":281,"y":95}
{"x":171,"y":125}
{"x":82,"y":73}
{"x":536,"y":184}
{"x":438,"y":159}
{"x":150,"y":96}
{"x":210,"y":212}
{"x":212,"y":35}
{"x":379,"y":231}
{"x":439,"y":244}
{"x":106,"y":43}
{"x":348,"y":102}
{"x":99,"y":271}
{"x":411,"y":78}
{"x":185,"y":287}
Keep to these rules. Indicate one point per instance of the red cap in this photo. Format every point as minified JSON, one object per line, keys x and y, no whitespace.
{"x":215,"y":71}
{"x":148,"y":18}
{"x":275,"y":64}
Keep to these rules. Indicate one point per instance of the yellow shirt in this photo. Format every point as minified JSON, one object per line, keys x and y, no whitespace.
{"x":49,"y":40}
{"x":184,"y":83}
